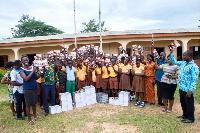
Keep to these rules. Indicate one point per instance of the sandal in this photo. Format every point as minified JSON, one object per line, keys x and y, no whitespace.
{"x":168,"y":111}
{"x":31,"y":122}
{"x":37,"y":118}
{"x":164,"y":110}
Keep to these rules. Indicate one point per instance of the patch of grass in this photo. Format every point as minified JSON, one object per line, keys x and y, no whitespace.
{"x":91,"y":118}
{"x":3,"y":91}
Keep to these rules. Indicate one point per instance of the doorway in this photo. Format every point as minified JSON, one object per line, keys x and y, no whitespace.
{"x":159,"y":50}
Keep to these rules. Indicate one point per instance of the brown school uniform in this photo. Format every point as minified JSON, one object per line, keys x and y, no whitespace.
{"x":99,"y":81}
{"x":113,"y":80}
{"x":105,"y":77}
{"x":124,"y":83}
{"x":138,"y":81}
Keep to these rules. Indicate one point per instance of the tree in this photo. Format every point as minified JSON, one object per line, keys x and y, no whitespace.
{"x":91,"y":26}
{"x":29,"y":27}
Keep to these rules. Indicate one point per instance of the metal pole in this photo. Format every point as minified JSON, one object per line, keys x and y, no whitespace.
{"x":75,"y":45}
{"x":100,"y":25}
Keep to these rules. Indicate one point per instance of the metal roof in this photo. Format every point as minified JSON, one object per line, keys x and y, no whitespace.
{"x":95,"y":34}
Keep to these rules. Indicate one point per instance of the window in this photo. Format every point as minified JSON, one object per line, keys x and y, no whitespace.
{"x":196,"y":52}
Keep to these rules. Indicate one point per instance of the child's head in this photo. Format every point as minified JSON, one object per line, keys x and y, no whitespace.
{"x":138,"y":62}
{"x":9,"y":65}
{"x":70,"y":63}
{"x":79,"y":65}
{"x":17,"y":64}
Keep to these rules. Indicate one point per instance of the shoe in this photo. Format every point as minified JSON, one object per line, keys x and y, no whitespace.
{"x":131,"y":98}
{"x":187,"y":121}
{"x":137,"y":103}
{"x":152,"y":103}
{"x":142,"y":105}
{"x":31,"y":122}
{"x":41,"y":107}
{"x":181,"y":117}
{"x":20,"y":118}
{"x":168,"y":111}
{"x":46,"y":113}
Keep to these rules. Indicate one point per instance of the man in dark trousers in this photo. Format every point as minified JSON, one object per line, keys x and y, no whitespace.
{"x":188,"y":77}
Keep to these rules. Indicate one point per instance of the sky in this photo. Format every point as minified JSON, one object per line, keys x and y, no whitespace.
{"x":119,"y":15}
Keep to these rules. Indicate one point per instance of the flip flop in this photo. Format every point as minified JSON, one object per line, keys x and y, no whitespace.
{"x":37,"y":118}
{"x":31,"y":122}
{"x":164,"y":110}
{"x":168,"y":111}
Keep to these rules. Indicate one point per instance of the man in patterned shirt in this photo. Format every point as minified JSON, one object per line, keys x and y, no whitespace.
{"x":49,"y":83}
{"x":188,"y":77}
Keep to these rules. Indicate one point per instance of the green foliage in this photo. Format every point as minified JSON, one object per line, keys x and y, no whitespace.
{"x":91,"y":26}
{"x":1,"y":74}
{"x":29,"y":27}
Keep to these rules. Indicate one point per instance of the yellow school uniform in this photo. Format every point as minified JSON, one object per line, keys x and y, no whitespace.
{"x":105,"y":72}
{"x":126,"y":68}
{"x":112,"y":72}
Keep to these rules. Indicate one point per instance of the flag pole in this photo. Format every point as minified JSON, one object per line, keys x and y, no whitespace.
{"x":75,"y":45}
{"x":100,"y":25}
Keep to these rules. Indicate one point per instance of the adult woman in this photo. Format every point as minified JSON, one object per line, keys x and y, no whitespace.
{"x":168,"y":83}
{"x":6,"y":80}
{"x":149,"y":80}
{"x":30,"y":87}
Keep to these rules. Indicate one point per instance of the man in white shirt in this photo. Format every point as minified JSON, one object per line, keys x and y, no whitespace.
{"x":17,"y":82}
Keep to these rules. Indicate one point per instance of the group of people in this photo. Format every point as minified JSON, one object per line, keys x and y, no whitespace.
{"x":109,"y":74}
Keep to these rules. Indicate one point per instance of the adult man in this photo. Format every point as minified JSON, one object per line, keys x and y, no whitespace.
{"x":159,"y":73}
{"x":188,"y":77}
{"x":49,"y":83}
{"x":17,"y":81}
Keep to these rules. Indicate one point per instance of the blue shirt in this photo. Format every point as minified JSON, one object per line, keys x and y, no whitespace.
{"x":70,"y":73}
{"x":188,"y":74}
{"x":159,"y":72}
{"x":31,"y":83}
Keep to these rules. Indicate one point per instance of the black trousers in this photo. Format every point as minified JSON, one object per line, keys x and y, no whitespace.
{"x":20,"y":99}
{"x":159,"y":92}
{"x":187,"y":105}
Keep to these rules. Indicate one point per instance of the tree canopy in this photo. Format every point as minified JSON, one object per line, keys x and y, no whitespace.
{"x":29,"y":27}
{"x":91,"y":26}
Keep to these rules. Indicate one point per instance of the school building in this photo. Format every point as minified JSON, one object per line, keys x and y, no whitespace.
{"x":12,"y":49}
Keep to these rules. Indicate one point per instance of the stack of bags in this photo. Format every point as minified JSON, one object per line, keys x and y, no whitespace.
{"x":66,"y":101}
{"x":85,"y":96}
{"x":55,"y":109}
{"x":79,"y":99}
{"x":114,"y":100}
{"x":102,"y":97}
{"x":124,"y":98}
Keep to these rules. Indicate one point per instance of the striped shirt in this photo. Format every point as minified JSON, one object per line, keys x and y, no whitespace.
{"x":169,"y":70}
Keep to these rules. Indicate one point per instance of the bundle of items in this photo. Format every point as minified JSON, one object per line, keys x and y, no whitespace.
{"x":72,"y":55}
{"x":114,"y":100}
{"x":124,"y":98}
{"x":66,"y":101}
{"x":85,"y":96}
{"x":102,"y":97}
{"x":55,"y":109}
{"x":173,"y":45}
{"x":90,"y":95}
{"x":40,"y":62}
{"x":155,"y":53}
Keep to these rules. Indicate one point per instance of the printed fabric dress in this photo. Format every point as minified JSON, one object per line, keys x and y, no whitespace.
{"x":149,"y":92}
